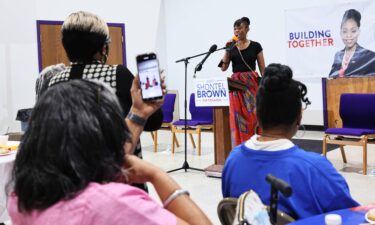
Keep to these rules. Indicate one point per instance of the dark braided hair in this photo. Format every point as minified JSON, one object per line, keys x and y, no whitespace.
{"x":75,"y":136}
{"x":352,"y":14}
{"x":279,"y":98}
{"x":243,"y":20}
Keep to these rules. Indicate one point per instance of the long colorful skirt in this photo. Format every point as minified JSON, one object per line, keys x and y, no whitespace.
{"x":243,"y":120}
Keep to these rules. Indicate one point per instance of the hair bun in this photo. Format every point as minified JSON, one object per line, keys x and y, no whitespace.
{"x":277,"y":77}
{"x":352,"y":14}
{"x":243,"y":20}
{"x":246,"y":19}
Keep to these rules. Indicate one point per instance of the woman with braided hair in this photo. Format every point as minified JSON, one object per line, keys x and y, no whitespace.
{"x":317,"y":186}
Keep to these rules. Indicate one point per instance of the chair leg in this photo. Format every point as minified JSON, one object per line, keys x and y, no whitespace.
{"x":364,"y":144}
{"x":152,"y":135}
{"x":155,"y":136}
{"x":324,"y":153}
{"x":174,"y":139}
{"x":199,"y":141}
{"x":343,"y":154}
{"x":192,"y":140}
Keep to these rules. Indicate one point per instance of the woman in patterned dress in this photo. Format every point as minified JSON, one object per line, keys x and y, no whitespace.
{"x":244,"y":55}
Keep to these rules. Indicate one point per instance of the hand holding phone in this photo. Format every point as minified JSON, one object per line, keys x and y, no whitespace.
{"x":149,"y":76}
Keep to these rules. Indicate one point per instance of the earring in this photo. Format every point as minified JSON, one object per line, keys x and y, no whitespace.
{"x":104,"y":58}
{"x":303,"y":131}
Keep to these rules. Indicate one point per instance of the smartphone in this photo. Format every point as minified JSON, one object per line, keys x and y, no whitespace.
{"x":149,"y":76}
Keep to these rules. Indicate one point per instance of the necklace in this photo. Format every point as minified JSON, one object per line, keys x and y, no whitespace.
{"x":347,"y":56}
{"x":273,"y":136}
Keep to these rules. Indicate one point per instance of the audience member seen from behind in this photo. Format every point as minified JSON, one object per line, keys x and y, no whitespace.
{"x":353,"y":60}
{"x":244,"y":55}
{"x":45,"y":76}
{"x":85,"y":37}
{"x":317,"y":186}
{"x":71,"y":167}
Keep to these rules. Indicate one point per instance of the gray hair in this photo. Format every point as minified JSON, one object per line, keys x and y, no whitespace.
{"x":86,"y":22}
{"x":83,"y":35}
{"x":45,"y":76}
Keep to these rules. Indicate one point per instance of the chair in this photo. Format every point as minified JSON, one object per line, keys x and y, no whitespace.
{"x":168,"y":109}
{"x":226,"y":211}
{"x":357,"y":112}
{"x":282,"y":217}
{"x":201,"y":120}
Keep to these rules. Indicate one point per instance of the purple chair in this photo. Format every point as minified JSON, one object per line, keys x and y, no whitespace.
{"x":168,"y":109}
{"x":357,"y":112}
{"x":201,"y":120}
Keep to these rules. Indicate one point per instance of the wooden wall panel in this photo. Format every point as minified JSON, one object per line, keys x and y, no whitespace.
{"x":334,"y":89}
{"x":115,"y":47}
{"x":52,"y":50}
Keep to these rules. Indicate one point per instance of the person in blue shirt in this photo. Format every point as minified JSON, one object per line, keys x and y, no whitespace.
{"x":317,"y":186}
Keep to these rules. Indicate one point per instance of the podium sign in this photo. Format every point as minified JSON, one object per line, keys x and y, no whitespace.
{"x":211,"y":92}
{"x":222,"y":137}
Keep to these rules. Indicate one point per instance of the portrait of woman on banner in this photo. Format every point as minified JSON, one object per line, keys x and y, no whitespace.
{"x":353,"y":60}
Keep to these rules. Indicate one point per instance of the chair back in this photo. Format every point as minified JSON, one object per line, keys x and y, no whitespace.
{"x":203,"y":114}
{"x":357,"y":110}
{"x":168,"y":107}
{"x":226,"y":210}
{"x":282,"y":217}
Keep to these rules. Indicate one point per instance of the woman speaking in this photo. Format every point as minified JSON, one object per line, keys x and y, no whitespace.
{"x":244,"y":54}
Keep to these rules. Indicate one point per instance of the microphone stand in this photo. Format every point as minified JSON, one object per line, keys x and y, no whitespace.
{"x":185,"y":165}
{"x":199,"y":66}
{"x":276,"y":185}
{"x":273,"y":205}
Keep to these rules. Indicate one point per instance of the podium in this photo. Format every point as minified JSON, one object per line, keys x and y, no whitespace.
{"x":222,"y":132}
{"x":332,"y":90}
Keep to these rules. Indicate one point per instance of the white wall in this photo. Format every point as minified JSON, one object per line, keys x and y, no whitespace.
{"x":173,"y":28}
{"x":193,"y":26}
{"x":18,"y":42}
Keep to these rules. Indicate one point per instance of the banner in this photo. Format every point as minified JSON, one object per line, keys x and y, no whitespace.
{"x":316,"y":40}
{"x":211,"y":92}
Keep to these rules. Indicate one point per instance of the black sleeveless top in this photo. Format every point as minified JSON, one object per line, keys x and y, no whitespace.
{"x":249,"y":54}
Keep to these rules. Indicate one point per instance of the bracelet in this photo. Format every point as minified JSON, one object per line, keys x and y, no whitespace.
{"x":136,"y":119}
{"x":174,"y":195}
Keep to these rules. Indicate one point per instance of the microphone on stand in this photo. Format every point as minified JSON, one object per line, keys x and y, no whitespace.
{"x":199,"y":66}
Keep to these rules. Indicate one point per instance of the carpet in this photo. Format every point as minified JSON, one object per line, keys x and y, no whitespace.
{"x":313,"y":145}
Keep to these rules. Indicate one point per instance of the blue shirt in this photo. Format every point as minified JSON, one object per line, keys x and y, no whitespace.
{"x":317,"y":186}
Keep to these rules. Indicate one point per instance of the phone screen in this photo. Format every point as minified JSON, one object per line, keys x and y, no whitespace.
{"x":149,"y":76}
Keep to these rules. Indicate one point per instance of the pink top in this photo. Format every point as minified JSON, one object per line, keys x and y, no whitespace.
{"x":111,"y":203}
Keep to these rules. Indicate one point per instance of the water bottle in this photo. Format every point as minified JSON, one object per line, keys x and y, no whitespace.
{"x":333,"y":219}
{"x":168,"y":150}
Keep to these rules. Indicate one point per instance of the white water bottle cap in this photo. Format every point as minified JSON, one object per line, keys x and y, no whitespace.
{"x":333,"y":219}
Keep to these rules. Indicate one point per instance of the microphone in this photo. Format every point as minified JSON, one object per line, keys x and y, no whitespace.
{"x":280,"y":185}
{"x":231,"y":44}
{"x":199,"y":66}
